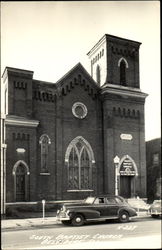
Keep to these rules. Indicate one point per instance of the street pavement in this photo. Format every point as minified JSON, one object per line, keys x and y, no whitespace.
{"x":37,"y":222}
{"x":145,"y":242}
{"x":143,"y":232}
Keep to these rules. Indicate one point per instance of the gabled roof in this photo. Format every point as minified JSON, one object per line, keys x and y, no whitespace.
{"x":77,"y":76}
{"x":80,"y":67}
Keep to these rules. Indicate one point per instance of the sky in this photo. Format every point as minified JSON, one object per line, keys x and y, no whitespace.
{"x":51,"y":37}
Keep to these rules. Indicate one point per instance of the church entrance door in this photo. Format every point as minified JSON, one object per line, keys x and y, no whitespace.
{"x":125,"y":186}
{"x":127,"y":174}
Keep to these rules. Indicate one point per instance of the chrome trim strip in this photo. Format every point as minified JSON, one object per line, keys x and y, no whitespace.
{"x":104,"y":218}
{"x":80,"y":190}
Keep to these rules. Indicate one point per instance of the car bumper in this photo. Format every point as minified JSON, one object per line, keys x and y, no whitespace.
{"x":156,"y":212}
{"x":62,"y":216}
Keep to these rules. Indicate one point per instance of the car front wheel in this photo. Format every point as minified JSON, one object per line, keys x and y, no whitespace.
{"x":78,"y":220}
{"x":155,"y":215}
{"x":123,"y":216}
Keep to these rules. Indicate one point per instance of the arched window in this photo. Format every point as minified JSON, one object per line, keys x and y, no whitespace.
{"x":21,"y":173}
{"x":122,"y":64}
{"x":98,"y":74}
{"x":79,"y":159}
{"x":44,"y":142}
{"x":127,"y":158}
{"x":123,"y":73}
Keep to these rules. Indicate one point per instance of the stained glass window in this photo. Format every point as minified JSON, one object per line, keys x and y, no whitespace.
{"x":44,"y":141}
{"x":79,"y":167}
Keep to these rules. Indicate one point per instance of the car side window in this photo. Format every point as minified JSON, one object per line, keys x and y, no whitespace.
{"x":99,"y":201}
{"x":119,"y":201}
{"x":111,"y":201}
{"x":96,"y":201}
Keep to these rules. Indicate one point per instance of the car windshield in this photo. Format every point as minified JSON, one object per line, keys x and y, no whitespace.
{"x":89,"y":200}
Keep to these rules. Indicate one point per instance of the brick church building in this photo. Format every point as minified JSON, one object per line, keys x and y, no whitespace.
{"x":59,"y":139}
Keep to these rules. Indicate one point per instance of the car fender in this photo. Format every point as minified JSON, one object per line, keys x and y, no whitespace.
{"x":123,"y":209}
{"x":87,"y":213}
{"x":129,"y":210}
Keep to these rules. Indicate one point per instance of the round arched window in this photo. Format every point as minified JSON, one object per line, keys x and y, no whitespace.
{"x":79,"y":110}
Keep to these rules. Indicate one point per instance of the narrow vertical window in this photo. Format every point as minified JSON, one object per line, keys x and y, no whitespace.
{"x":123,"y":73}
{"x":44,"y":142}
{"x":98,"y":74}
{"x":85,"y":169}
{"x":73,"y":168}
{"x":21,"y":181}
{"x":6,"y":102}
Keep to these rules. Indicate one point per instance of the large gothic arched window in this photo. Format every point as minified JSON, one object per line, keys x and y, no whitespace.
{"x":79,"y":159}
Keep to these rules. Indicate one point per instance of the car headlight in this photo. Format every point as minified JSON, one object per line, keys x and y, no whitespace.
{"x":63,"y":208}
{"x":67,"y":212}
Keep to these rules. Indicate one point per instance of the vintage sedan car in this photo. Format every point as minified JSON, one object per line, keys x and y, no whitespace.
{"x":95,"y":209}
{"x":156,"y":209}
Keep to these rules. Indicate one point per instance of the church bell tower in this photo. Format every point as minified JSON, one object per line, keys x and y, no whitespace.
{"x":115,"y":60}
{"x":115,"y":67}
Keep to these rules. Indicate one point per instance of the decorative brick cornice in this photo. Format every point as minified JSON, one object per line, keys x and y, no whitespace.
{"x":126,"y":112}
{"x":122,"y":91}
{"x":79,"y":80}
{"x":77,"y":76}
{"x":124,"y":52}
{"x":20,"y":136}
{"x":20,"y":84}
{"x":45,"y":96}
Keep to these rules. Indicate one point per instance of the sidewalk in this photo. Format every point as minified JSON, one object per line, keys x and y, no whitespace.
{"x":27,"y":223}
{"x":37,"y":222}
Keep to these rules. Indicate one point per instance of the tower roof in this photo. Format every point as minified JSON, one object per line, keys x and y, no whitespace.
{"x":112,"y":38}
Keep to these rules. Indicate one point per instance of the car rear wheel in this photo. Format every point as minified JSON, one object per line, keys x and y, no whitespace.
{"x":124,"y":216}
{"x":78,"y":220}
